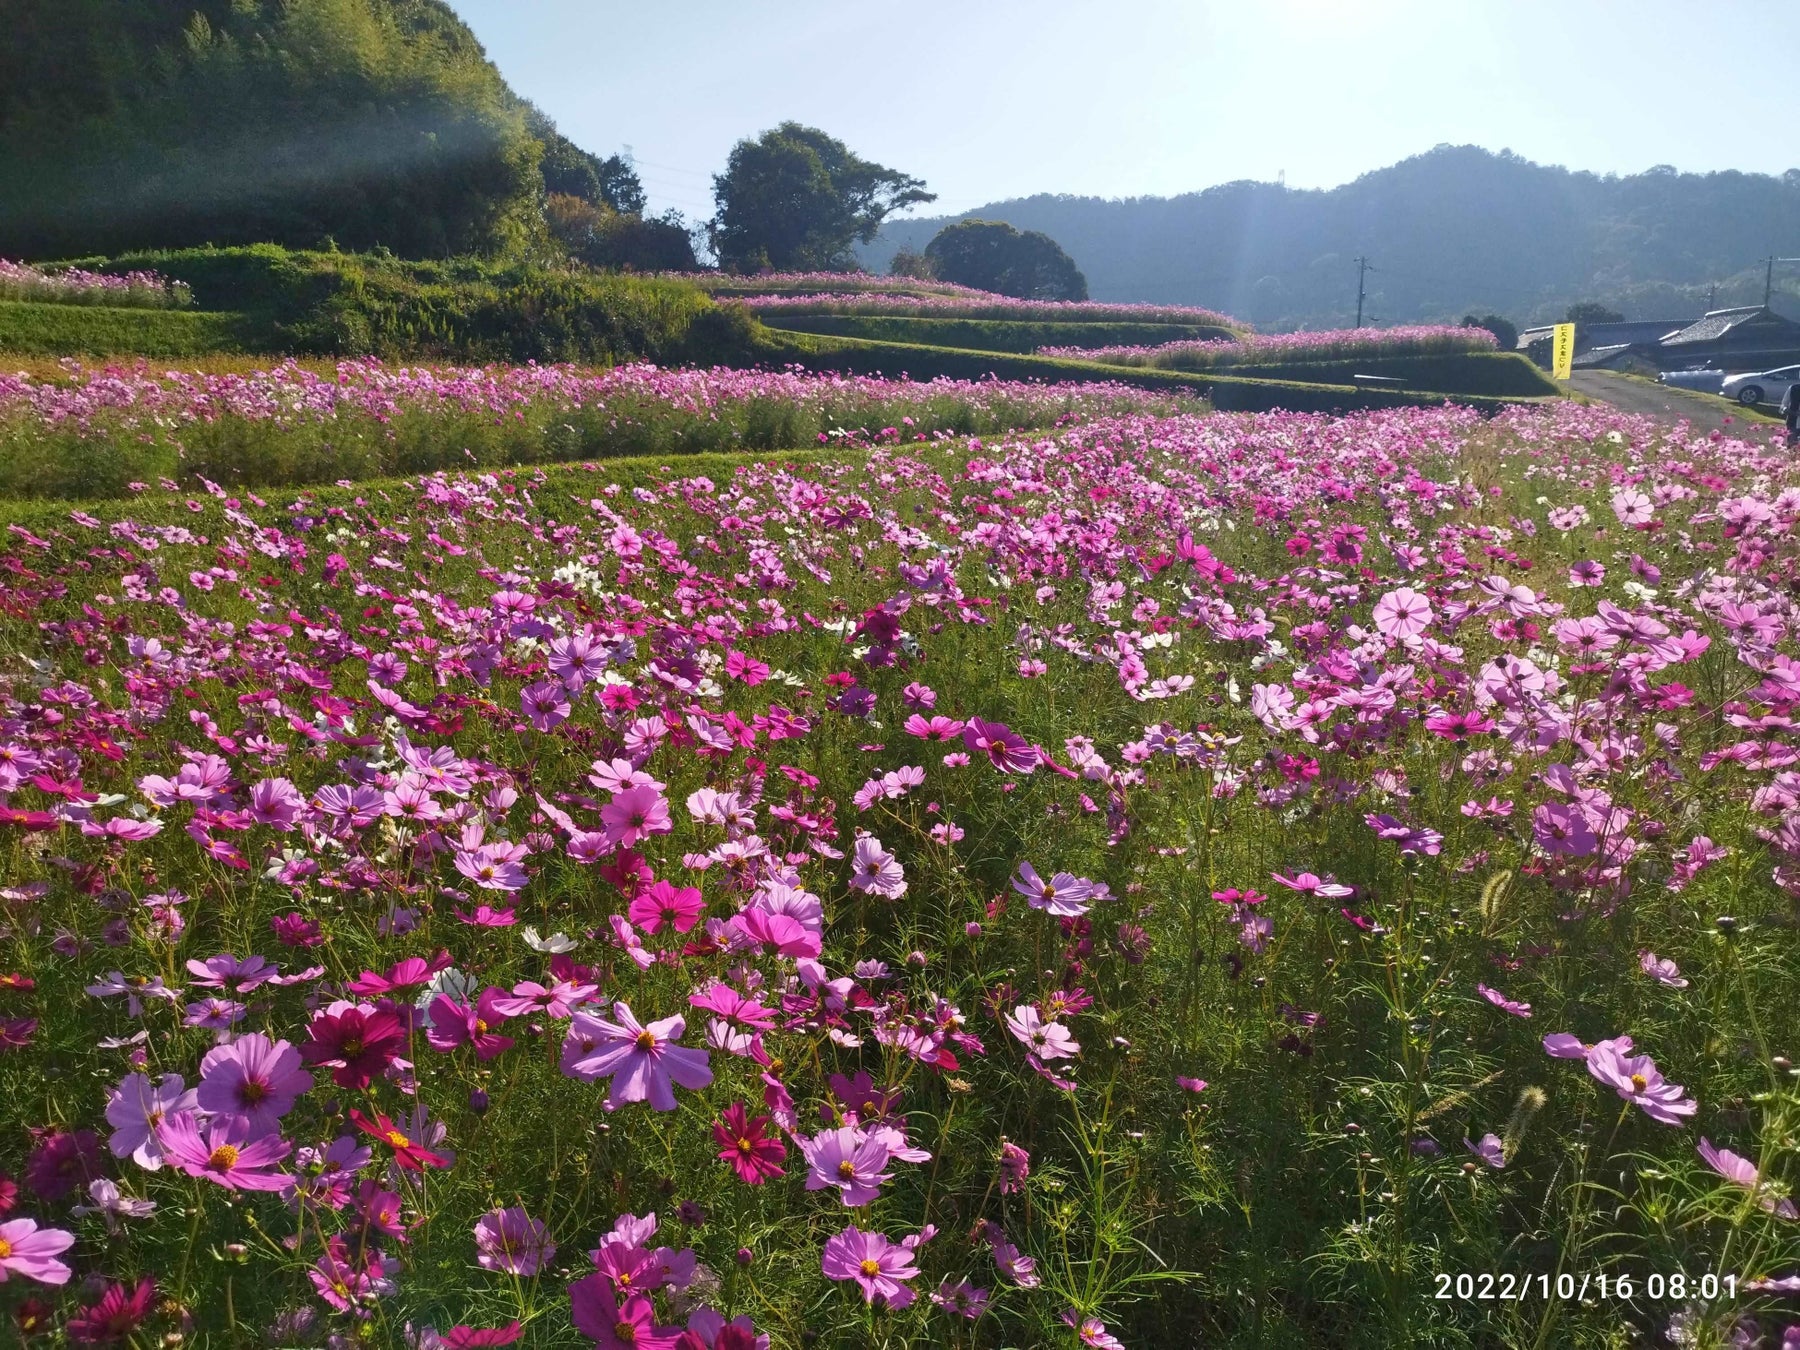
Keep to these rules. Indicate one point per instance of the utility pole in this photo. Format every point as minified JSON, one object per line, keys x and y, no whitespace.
{"x":1769,"y":278}
{"x":1362,"y":266}
{"x":1712,"y":298}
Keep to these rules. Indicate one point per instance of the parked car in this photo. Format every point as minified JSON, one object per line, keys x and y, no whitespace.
{"x":1701,"y":381}
{"x":1766,"y":386}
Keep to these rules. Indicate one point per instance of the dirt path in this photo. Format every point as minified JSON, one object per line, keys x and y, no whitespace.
{"x":1703,"y":411}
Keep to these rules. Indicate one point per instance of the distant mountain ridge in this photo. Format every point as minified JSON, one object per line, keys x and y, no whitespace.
{"x":1455,"y":230}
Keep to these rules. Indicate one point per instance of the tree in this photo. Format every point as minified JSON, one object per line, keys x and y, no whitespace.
{"x":164,"y":123}
{"x":906,"y":263}
{"x":1592,"y":311}
{"x":992,"y":256}
{"x":1505,"y":331}
{"x":620,"y":241}
{"x":794,"y":199}
{"x":571,"y":171}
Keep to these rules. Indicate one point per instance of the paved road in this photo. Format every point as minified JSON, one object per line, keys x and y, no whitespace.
{"x":1704,"y":411}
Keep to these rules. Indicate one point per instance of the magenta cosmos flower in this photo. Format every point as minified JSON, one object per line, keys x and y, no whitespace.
{"x":1502,"y":1002}
{"x":254,"y":1080}
{"x":612,"y":1324}
{"x":510,"y":1240}
{"x":875,"y":1263}
{"x":642,"y":1061}
{"x":1402,"y":614}
{"x":746,"y":1144}
{"x":225,"y":1154}
{"x":26,"y":1249}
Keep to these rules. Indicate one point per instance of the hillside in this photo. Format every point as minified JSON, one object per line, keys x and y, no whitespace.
{"x":1456,"y":230}
{"x":132,"y":124}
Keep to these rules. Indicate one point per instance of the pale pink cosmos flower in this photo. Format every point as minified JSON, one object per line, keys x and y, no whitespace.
{"x":1661,"y":969}
{"x":1064,"y":894}
{"x":851,"y":1161}
{"x":875,"y":871}
{"x":1402,"y":614}
{"x":1740,"y":1171}
{"x":1637,"y":1080}
{"x":1047,"y":1040}
{"x":26,"y":1249}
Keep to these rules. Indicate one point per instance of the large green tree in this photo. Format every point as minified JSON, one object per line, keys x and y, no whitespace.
{"x":794,"y":199}
{"x":992,"y":256}
{"x":147,"y":123}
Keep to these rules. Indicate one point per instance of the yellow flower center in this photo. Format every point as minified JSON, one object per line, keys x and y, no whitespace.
{"x":870,"y":1268}
{"x":846,"y":1169}
{"x":1639,"y":1082}
{"x":397,"y":1139}
{"x":625,"y":1331}
{"x":5,"y":1249}
{"x":744,"y":1145}
{"x":646,"y":1041}
{"x":224,"y":1157}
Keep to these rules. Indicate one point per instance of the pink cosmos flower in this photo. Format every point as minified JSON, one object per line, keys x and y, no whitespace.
{"x":1064,"y":895}
{"x":1502,"y":1002}
{"x":1740,"y":1171}
{"x":1047,"y":1040}
{"x":1636,"y":1079}
{"x":135,"y":1109}
{"x":26,"y":1249}
{"x":1402,"y":614}
{"x":452,"y":1024}
{"x":877,"y":1264}
{"x":848,"y":1160}
{"x":635,"y":813}
{"x":875,"y":871}
{"x":1489,"y":1148}
{"x":510,"y":1240}
{"x":642,"y":1061}
{"x":1091,"y":1331}
{"x":1308,"y":883}
{"x":254,"y":1080}
{"x":1561,"y":829}
{"x":225,"y":1154}
{"x":1010,"y":752}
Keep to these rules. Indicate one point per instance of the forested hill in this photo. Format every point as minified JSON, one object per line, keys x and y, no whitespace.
{"x":161,"y":123}
{"x":1456,"y":230}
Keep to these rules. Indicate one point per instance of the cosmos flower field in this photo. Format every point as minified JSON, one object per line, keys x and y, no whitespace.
{"x":1155,"y":880}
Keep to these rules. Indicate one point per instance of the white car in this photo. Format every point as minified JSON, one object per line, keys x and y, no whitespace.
{"x":1766,"y":386}
{"x":1700,"y":381}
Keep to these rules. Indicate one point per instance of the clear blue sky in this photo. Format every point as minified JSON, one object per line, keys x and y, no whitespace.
{"x":988,"y":99}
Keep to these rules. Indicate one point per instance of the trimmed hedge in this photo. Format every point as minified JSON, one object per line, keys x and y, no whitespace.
{"x":464,"y":309}
{"x":1232,"y":392}
{"x":991,"y":335}
{"x":1499,"y":374}
{"x":94,"y":330}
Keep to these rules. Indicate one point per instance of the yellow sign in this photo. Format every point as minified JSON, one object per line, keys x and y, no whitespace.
{"x":1562,"y":351}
